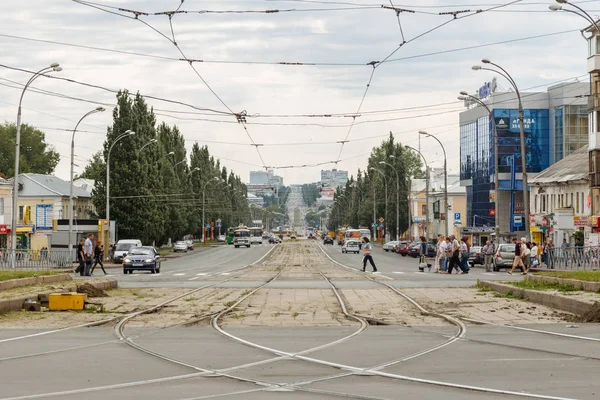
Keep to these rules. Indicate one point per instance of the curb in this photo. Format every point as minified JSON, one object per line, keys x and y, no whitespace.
{"x":14,"y":283}
{"x":559,"y":302}
{"x":583,"y":285}
{"x":16,"y":304}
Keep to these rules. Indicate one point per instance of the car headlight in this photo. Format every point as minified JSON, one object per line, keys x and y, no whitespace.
{"x":148,"y":260}
{"x":127,"y":260}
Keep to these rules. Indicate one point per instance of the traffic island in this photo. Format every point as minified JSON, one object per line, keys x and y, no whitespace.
{"x":560,"y":296}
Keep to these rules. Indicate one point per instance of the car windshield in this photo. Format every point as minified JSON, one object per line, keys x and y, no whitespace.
{"x":241,"y":233}
{"x":124,"y":246}
{"x":140,"y":251}
{"x":181,"y":243}
{"x":507,"y":248}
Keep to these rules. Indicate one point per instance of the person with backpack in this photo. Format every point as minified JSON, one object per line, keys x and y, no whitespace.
{"x":98,"y":253}
{"x":518,"y":262}
{"x":367,"y":255}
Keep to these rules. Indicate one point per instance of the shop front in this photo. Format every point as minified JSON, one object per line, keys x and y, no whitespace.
{"x":24,"y":234}
{"x":478,"y":235}
{"x":4,"y":234}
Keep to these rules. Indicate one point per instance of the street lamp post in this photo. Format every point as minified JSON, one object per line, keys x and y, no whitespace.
{"x":465,"y":96}
{"x":15,"y":199}
{"x":445,"y":180}
{"x":426,"y":190}
{"x":96,"y":110}
{"x":126,"y":134}
{"x":148,"y":144}
{"x":506,"y":75}
{"x":397,"y":196}
{"x":386,"y":192}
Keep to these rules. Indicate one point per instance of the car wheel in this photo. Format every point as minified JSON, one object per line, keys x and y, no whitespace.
{"x":153,"y":270}
{"x":124,"y":271}
{"x":495,"y":268}
{"x":343,"y":250}
{"x":236,"y":246}
{"x":248,"y":246}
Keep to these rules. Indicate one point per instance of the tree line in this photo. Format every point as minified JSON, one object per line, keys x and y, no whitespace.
{"x":155,"y":193}
{"x":353,"y":204}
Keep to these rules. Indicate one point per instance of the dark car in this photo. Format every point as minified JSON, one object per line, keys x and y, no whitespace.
{"x":415,"y":249}
{"x":328,"y":240}
{"x":475,"y":256}
{"x":402,"y":248}
{"x":144,"y":258}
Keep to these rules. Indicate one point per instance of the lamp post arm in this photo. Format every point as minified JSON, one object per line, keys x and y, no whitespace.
{"x":586,"y":15}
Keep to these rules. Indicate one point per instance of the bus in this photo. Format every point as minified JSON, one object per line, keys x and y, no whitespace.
{"x":230,"y":235}
{"x":241,"y":237}
{"x":256,"y":234}
{"x":364,"y":232}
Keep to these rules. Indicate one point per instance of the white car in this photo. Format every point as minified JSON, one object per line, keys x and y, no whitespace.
{"x":351,"y":246}
{"x":391,"y":245}
{"x":180,"y":246}
{"x":190,"y":244}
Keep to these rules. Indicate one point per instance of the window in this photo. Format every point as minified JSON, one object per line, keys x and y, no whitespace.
{"x":423,"y":209}
{"x":571,"y":200}
{"x":535,"y":204}
{"x":1,"y":205}
{"x":577,"y":204}
{"x":544,"y":203}
{"x":21,"y":213}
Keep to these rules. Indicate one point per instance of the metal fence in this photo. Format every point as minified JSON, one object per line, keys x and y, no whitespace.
{"x":34,"y":259}
{"x":575,"y":258}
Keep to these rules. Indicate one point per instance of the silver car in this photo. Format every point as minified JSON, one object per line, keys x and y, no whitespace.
{"x":391,"y":245}
{"x":505,"y":256}
{"x":180,"y":246}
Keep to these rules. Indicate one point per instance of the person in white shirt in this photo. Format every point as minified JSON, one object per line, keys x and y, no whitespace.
{"x":88,"y":251}
{"x":533,"y":257}
{"x":440,"y":253}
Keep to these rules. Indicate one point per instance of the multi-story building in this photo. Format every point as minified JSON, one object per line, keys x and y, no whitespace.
{"x":555,"y":124}
{"x":265,"y":178}
{"x":334,"y":178}
{"x":6,"y":187}
{"x":560,"y":199}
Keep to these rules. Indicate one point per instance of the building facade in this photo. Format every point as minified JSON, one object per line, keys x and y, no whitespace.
{"x":6,"y":187}
{"x":334,"y":178}
{"x":554,"y":125}
{"x":265,"y":178}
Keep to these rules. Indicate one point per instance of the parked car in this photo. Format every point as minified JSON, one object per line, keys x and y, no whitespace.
{"x":328,"y":240}
{"x":391,"y":245}
{"x":505,"y":256}
{"x":123,"y":247}
{"x":415,"y":249}
{"x":351,"y":246}
{"x":403,"y":248}
{"x":274,"y":240}
{"x":190,"y":244}
{"x":180,"y":246}
{"x":221,"y":238}
{"x":143,"y":258}
{"x":475,"y":256}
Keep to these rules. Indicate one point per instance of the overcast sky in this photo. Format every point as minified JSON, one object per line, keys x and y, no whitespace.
{"x":424,"y":85}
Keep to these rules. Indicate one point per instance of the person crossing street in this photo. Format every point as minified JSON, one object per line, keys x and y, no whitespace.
{"x":488,"y":254}
{"x":367,"y":255}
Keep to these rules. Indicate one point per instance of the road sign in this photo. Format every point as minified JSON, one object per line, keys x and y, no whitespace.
{"x":381,"y":219}
{"x":381,"y":224}
{"x":517,"y":220}
{"x":374,"y":226}
{"x":492,"y":212}
{"x":456,"y":215}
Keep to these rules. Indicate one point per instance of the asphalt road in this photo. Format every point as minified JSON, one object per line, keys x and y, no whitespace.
{"x":97,"y":367}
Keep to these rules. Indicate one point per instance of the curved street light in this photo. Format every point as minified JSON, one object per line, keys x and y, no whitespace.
{"x":445,"y":180}
{"x":54,"y":67}
{"x":124,"y":135}
{"x":94,"y":111}
{"x":467,"y":96}
{"x":506,"y":75}
{"x":147,"y":144}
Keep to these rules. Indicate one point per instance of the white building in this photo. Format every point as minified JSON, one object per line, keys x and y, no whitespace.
{"x":334,"y":178}
{"x":254,"y":199}
{"x":560,"y":199}
{"x":265,"y":178}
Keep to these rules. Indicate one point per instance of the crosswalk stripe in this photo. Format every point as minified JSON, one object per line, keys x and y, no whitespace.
{"x":398,"y":272}
{"x":178,"y":274}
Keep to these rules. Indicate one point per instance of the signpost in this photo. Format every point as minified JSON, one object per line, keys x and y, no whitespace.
{"x":456,"y":216}
{"x":517,"y":220}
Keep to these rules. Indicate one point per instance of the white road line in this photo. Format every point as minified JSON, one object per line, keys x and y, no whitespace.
{"x":201,"y":274}
{"x":397,"y":272}
{"x":487,"y":273}
{"x":224,"y":273}
{"x":178,"y":274}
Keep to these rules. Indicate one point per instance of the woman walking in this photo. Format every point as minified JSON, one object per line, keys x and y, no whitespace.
{"x":367,"y":255}
{"x":98,"y":252}
{"x":464,"y":255}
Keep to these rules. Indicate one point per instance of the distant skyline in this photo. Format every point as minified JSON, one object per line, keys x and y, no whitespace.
{"x":415,"y":90}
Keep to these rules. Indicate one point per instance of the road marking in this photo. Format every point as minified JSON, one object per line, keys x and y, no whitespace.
{"x":178,"y":274}
{"x":487,"y":273}
{"x":536,"y":359}
{"x":201,"y":274}
{"x":418,"y":272}
{"x":224,"y":273}
{"x":397,"y":272}
{"x":194,"y":278}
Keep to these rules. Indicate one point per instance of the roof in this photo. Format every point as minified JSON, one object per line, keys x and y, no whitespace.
{"x":572,"y":168}
{"x":38,"y":185}
{"x":85,"y":184}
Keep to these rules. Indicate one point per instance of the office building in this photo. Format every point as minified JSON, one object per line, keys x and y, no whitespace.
{"x":555,"y":125}
{"x":265,"y":178}
{"x":334,"y":178}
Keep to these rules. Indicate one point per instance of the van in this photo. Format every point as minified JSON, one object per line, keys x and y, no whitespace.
{"x":123,"y":247}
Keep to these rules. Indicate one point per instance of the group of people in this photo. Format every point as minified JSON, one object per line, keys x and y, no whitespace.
{"x":450,"y":254}
{"x":526,"y":255}
{"x":89,"y":256}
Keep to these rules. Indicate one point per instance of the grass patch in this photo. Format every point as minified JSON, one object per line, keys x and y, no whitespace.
{"x":482,"y":288}
{"x":189,"y":299}
{"x":92,"y":310}
{"x":589,"y":276}
{"x":533,"y":285}
{"x":238,"y":316}
{"x":7,"y":275}
{"x":295,"y":314}
{"x":229,"y":304}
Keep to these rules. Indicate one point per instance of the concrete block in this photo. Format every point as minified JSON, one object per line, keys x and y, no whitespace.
{"x":553,"y":300}
{"x":4,"y":306}
{"x":31,"y":306}
{"x":55,"y":278}
{"x":583,"y":285}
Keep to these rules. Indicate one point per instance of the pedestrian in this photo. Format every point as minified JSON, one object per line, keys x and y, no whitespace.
{"x":525,"y":252}
{"x":367,"y":255}
{"x":533,"y":257}
{"x":488,"y":256}
{"x":111,"y":253}
{"x":465,"y":250}
{"x":440,"y":252}
{"x":98,"y":252}
{"x":454,"y":253}
{"x":518,"y":262}
{"x":549,"y":253}
{"x":88,"y":250}
{"x":80,"y":258}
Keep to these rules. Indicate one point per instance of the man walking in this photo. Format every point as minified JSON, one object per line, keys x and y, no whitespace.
{"x":488,"y":256}
{"x":81,"y":259}
{"x":454,"y":248}
{"x":88,"y":250}
{"x":367,"y":255}
{"x":518,"y":262}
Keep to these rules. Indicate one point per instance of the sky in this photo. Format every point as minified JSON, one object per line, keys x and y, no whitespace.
{"x":297,"y":115}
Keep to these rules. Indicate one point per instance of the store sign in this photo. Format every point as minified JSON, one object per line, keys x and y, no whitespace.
{"x":44,"y":213}
{"x":487,"y":89}
{"x":527,"y":123}
{"x":3,"y":229}
{"x":580,"y":222}
{"x":477,"y":229}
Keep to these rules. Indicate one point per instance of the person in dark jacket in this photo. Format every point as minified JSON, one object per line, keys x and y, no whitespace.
{"x":98,"y":254}
{"x":80,"y":258}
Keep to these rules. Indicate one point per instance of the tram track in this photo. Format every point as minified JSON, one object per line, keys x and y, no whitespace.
{"x":349,"y":370}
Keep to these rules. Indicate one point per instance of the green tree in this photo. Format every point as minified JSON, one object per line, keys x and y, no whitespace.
{"x":94,"y":169}
{"x":36,"y":156}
